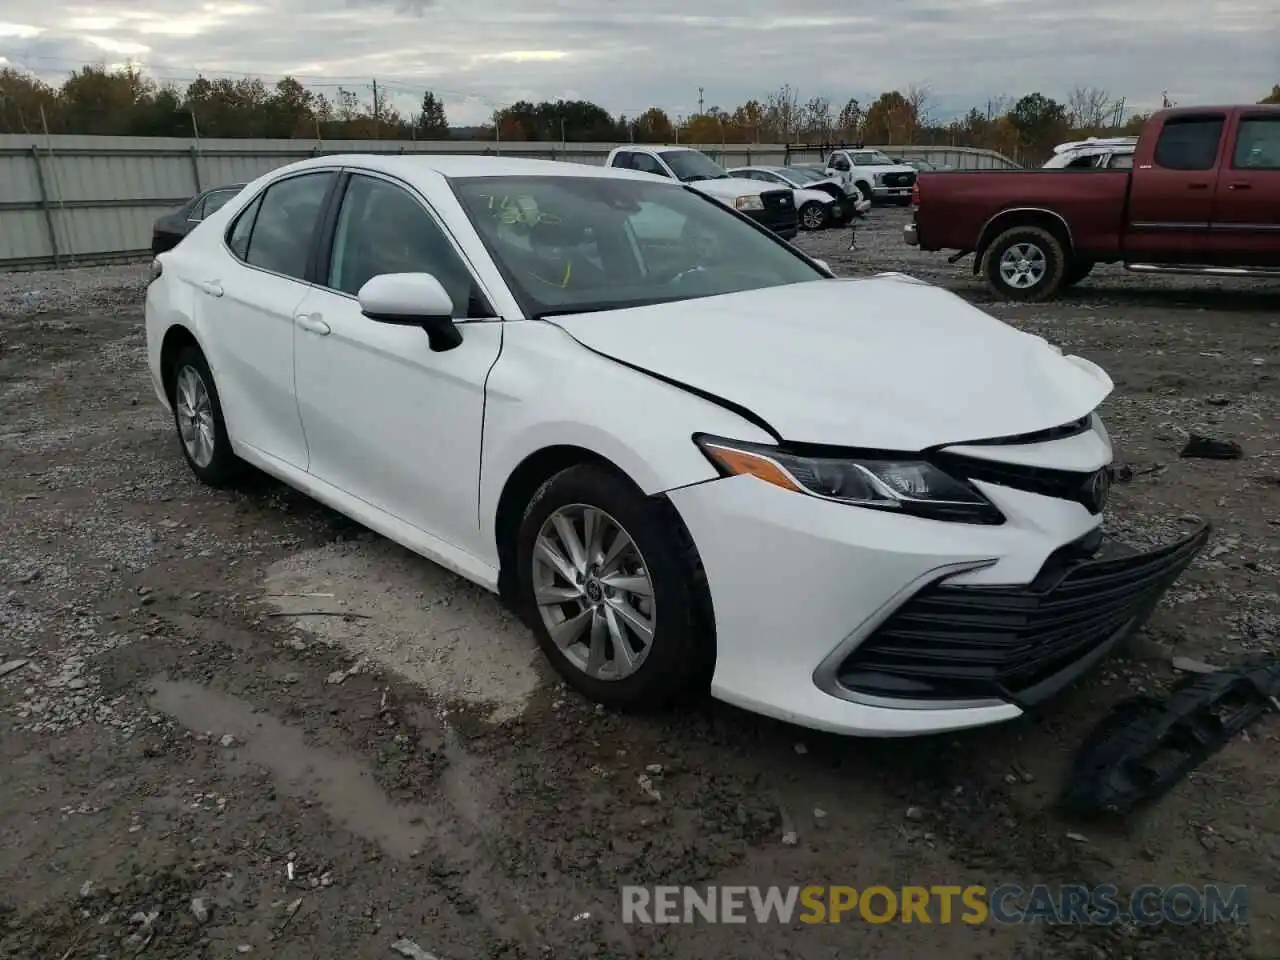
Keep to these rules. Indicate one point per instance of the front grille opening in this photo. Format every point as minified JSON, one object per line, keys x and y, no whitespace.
{"x":953,"y":642}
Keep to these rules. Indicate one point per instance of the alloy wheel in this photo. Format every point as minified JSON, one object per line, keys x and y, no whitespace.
{"x":594,"y":592}
{"x":1023,"y":265}
{"x":195,"y":416}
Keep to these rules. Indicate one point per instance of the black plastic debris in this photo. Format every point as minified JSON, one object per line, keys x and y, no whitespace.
{"x":1207,"y":448}
{"x":1146,"y":745}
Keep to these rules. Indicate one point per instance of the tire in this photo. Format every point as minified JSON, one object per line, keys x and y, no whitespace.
{"x":677,"y":661}
{"x":864,"y":191}
{"x":813,"y":216}
{"x":221,"y":467}
{"x":1025,"y":264}
{"x":1077,"y":271}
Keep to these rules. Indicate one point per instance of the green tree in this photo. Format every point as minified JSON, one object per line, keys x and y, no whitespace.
{"x":1040,"y":121}
{"x":431,"y":122}
{"x":1273,"y":96}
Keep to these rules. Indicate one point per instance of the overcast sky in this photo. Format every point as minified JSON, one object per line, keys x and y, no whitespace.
{"x":479,"y":54}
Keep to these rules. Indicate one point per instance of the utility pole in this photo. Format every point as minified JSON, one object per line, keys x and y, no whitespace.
{"x":700,"y":101}
{"x":377,"y":112}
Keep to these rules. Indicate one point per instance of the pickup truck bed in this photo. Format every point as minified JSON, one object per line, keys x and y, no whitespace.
{"x":1203,"y":197}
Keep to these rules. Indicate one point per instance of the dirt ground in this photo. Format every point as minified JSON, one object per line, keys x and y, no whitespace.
{"x":204,"y":759}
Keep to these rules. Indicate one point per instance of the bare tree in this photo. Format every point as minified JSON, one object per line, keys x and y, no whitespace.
{"x":783,"y":106}
{"x":1089,"y":108}
{"x":817,"y":117}
{"x":920,"y":99}
{"x":850,"y":120}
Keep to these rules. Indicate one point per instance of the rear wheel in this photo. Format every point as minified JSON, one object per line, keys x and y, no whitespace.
{"x":609,"y":586}
{"x":1025,"y":263}
{"x":813,"y":215}
{"x":197,"y":415}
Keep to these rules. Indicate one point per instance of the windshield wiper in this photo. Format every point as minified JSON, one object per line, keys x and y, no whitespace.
{"x":695,"y":177}
{"x":603,"y":307}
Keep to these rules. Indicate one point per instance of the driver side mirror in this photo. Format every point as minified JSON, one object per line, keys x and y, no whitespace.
{"x":412,"y":300}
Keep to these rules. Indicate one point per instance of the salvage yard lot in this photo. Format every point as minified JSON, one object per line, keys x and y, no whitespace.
{"x":249,"y":727}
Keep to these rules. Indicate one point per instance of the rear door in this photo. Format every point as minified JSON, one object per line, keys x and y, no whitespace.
{"x":1246,"y":210}
{"x":1171,"y":197}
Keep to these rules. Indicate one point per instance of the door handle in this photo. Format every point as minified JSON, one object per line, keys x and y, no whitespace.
{"x":1197,"y":186}
{"x":212,"y":287}
{"x":1239,"y":186}
{"x":312,"y":323}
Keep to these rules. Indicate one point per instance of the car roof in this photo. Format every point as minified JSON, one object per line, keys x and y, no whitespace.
{"x":409,"y":165}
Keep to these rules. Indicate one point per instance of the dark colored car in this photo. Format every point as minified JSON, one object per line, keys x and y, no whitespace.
{"x":172,"y":227}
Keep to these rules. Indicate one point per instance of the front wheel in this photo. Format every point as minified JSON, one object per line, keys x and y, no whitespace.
{"x":864,"y":191}
{"x":1025,"y":263}
{"x":813,"y":215}
{"x":609,"y":586}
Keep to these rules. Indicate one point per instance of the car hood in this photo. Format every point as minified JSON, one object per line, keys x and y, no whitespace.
{"x":733,"y":187}
{"x":804,"y":195}
{"x":887,"y":363}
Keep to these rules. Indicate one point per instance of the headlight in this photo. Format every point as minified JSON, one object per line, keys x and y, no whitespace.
{"x":878,"y":178}
{"x":914,"y":487}
{"x":748,"y":203}
{"x":157,"y":268}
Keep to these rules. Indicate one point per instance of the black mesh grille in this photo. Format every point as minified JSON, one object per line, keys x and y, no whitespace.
{"x":899,"y":179}
{"x":777,"y":200}
{"x":963,"y":642}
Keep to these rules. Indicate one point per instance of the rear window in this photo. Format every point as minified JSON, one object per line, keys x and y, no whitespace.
{"x":1189,"y":143}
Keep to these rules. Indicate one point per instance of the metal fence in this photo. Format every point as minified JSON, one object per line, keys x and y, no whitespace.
{"x":79,"y":200}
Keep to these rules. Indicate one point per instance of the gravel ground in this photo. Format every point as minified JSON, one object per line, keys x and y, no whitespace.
{"x":191,"y":768}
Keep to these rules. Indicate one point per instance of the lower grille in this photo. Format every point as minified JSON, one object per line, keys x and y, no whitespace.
{"x":1016,"y":643}
{"x":778,"y":200}
{"x":899,"y":179}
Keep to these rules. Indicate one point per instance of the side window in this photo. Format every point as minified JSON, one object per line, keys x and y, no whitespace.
{"x":1121,"y":161}
{"x":1258,"y":144}
{"x":383,"y":229}
{"x":286,"y":223}
{"x":624,"y":160}
{"x":215,"y":202}
{"x":1189,"y":143}
{"x":242,"y":228}
{"x":647,"y":164}
{"x":1083,"y":163}
{"x":839,"y":162}
{"x":196,"y":213}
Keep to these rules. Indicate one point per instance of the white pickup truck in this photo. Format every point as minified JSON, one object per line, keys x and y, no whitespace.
{"x":875,"y":175}
{"x":772,"y":207}
{"x":1096,"y":153}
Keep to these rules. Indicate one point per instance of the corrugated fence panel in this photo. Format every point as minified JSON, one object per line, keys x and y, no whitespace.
{"x":83,"y":199}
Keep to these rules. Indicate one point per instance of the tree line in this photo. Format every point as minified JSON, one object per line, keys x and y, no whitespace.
{"x":95,"y":100}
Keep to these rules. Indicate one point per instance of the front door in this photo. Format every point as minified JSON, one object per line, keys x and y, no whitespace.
{"x":1171,"y":198}
{"x":387,"y":420}
{"x":251,"y":298}
{"x":1246,"y":210}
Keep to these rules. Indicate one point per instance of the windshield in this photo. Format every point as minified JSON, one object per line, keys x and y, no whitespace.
{"x":569,"y":244}
{"x":691,"y":165}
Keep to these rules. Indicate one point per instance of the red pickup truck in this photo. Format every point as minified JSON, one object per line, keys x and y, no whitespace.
{"x":1203,"y":197}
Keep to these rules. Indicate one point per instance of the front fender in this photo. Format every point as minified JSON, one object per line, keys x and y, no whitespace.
{"x":547,"y":390}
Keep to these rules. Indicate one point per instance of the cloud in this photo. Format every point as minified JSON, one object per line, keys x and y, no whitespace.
{"x":480,"y":54}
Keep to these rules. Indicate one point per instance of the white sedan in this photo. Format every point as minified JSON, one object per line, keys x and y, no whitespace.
{"x":689,"y":456}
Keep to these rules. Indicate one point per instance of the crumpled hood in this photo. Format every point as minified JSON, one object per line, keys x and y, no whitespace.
{"x":886,"y":363}
{"x":734,"y":187}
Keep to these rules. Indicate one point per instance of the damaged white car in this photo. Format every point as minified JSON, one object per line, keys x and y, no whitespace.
{"x":689,"y":456}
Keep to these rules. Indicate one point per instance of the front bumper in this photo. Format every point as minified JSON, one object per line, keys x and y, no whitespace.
{"x":785,"y":224}
{"x":829,"y":594}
